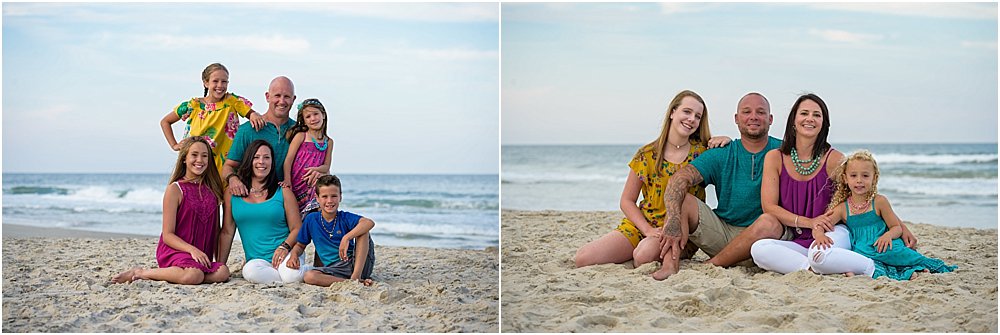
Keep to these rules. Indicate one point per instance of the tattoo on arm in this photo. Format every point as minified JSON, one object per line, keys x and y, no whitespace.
{"x":674,"y":195}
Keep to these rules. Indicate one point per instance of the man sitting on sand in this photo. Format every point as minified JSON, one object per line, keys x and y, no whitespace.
{"x":736,"y":171}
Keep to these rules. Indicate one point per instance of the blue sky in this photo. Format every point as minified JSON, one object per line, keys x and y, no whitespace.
{"x":597,"y":73}
{"x":411,"y":88}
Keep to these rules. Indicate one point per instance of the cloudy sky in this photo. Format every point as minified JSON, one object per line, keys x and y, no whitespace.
{"x":411,"y":88}
{"x":603,"y":73}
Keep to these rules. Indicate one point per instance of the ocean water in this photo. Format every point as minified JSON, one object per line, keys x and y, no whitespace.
{"x":437,"y":211}
{"x":941,"y":184}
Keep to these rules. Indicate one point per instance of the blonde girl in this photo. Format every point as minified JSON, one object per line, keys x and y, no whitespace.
{"x":875,"y":229}
{"x":213,"y":116}
{"x":190,"y":238}
{"x":683,"y":136}
{"x":309,"y":153}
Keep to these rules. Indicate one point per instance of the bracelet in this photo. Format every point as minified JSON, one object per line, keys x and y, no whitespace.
{"x":286,"y":246}
{"x":796,"y":224}
{"x":230,"y":176}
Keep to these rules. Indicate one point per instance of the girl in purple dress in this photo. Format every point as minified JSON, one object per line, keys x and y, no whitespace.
{"x":189,"y":241}
{"x":309,"y":153}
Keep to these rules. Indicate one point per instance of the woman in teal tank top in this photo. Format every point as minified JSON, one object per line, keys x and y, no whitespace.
{"x":267,"y":219}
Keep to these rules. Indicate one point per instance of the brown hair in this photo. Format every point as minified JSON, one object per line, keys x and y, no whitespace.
{"x":208,"y":72}
{"x":211,"y":175}
{"x":300,"y":120}
{"x":702,"y":134}
{"x":245,"y":170}
{"x":821,"y":145}
{"x":328,"y":180}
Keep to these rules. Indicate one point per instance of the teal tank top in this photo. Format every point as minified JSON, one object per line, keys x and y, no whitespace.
{"x":262,"y":226}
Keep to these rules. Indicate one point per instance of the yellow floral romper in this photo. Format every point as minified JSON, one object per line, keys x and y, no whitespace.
{"x":653,"y":186}
{"x":217,"y":122}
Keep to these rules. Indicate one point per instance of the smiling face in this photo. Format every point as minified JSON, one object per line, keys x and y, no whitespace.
{"x":280,"y":96}
{"x":314,"y":118}
{"x":808,"y":119}
{"x":262,"y":162}
{"x":753,"y":117}
{"x":860,"y":176}
{"x":328,"y":197}
{"x":217,"y":84}
{"x":197,"y":160}
{"x":686,"y":118}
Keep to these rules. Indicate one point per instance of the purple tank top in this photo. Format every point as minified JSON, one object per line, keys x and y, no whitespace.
{"x":806,"y":198}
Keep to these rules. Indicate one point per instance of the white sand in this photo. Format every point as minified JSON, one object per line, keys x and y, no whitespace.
{"x":62,"y":285}
{"x":543,"y":292}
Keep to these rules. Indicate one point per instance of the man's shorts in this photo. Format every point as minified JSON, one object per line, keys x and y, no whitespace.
{"x":713,"y":234}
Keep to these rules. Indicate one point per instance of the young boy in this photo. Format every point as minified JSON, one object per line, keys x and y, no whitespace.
{"x":339,"y":237}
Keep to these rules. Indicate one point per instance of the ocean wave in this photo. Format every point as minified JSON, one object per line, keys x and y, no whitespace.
{"x":560,"y":177}
{"x":491,"y":204}
{"x":435,"y":230}
{"x":940,"y":186}
{"x":37,"y":190}
{"x":895,"y":158}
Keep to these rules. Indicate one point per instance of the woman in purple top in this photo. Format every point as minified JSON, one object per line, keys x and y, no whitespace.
{"x":189,"y":242}
{"x":797,"y":188}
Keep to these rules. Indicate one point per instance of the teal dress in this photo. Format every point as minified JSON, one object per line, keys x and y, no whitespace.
{"x":897,"y":263}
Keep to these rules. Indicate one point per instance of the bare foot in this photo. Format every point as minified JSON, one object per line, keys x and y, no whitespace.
{"x":849,"y":274}
{"x":125,"y":277}
{"x":914,"y":275}
{"x":666,"y":270}
{"x":366,"y":282}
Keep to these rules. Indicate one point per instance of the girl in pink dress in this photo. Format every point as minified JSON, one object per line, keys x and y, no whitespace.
{"x":189,"y":241}
{"x":309,"y":153}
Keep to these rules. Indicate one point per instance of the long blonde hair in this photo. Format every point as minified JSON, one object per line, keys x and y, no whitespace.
{"x":842,"y":191}
{"x":702,"y":134}
{"x":211,"y":175}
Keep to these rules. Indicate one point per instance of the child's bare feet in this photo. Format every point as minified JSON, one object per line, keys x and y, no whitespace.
{"x":849,"y":274}
{"x":125,"y":277}
{"x":366,"y":282}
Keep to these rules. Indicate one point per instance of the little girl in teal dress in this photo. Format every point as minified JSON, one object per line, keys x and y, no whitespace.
{"x":875,"y":229}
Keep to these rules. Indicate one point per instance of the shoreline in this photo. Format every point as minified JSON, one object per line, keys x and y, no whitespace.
{"x":13,"y":230}
{"x":62,"y":284}
{"x":538,"y":249}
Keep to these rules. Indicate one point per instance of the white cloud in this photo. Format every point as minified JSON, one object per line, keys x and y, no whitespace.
{"x":939,"y":10}
{"x":454,"y":54}
{"x":276,"y":43}
{"x":435,"y":12}
{"x":844,"y":36}
{"x":668,"y":8}
{"x":992,"y":45}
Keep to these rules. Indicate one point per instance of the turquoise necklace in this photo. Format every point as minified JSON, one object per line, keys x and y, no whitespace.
{"x":804,"y":168}
{"x":318,"y":146}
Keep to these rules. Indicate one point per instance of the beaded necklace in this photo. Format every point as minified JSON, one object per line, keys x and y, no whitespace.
{"x":858,"y":208}
{"x":320,"y":147}
{"x":801,"y":165}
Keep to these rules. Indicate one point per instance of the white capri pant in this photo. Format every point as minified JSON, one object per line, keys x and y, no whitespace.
{"x":260,"y":271}
{"x":787,"y":256}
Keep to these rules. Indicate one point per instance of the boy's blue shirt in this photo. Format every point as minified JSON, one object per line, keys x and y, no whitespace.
{"x":317,"y":229}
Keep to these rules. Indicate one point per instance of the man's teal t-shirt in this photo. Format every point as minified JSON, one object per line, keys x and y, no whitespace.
{"x":736,"y":174}
{"x":270,"y":133}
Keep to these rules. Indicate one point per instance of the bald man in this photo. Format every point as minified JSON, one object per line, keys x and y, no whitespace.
{"x":280,"y":97}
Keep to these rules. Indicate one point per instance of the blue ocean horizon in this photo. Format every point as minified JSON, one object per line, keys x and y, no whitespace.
{"x":432,"y":210}
{"x":946,"y":184}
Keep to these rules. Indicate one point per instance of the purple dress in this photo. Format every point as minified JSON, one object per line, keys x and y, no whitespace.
{"x":197,"y":224}
{"x":307,"y":156}
{"x":805,"y":198}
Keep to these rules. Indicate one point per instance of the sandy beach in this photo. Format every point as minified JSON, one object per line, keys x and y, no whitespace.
{"x":62,"y":284}
{"x":543,"y":292}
